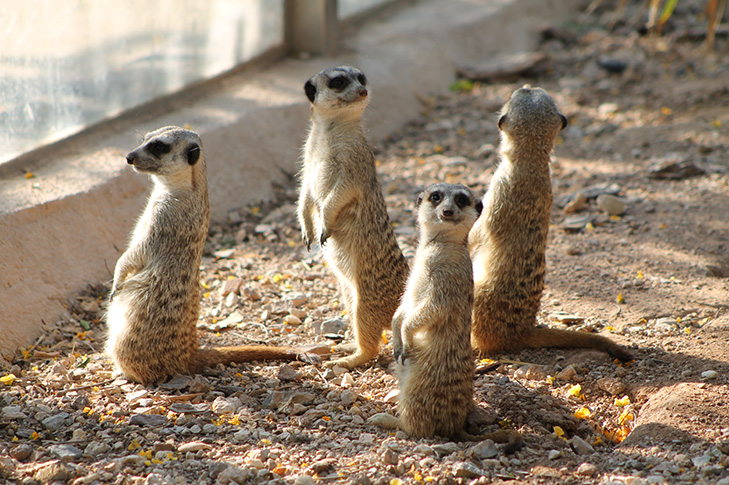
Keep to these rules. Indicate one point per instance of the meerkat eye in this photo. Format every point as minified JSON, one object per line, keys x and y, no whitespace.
{"x":462,"y":200}
{"x":338,"y":83}
{"x":158,"y":148}
{"x":435,"y":198}
{"x":362,"y":79}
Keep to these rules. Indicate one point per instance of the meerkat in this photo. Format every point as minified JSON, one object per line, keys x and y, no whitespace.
{"x":431,"y":330}
{"x":508,"y":243}
{"x":154,"y":302}
{"x":341,"y":206}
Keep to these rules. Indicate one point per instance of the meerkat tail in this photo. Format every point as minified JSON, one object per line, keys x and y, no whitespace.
{"x":553,"y":337}
{"x":211,"y":357}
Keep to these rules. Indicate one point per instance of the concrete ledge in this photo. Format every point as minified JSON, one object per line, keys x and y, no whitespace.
{"x":66,"y":227}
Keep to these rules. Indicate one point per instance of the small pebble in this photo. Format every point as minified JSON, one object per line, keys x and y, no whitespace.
{"x":586,"y":469}
{"x":709,"y":374}
{"x":612,"y":205}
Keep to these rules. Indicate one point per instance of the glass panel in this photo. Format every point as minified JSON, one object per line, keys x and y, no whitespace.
{"x":65,"y":65}
{"x":347,"y":8}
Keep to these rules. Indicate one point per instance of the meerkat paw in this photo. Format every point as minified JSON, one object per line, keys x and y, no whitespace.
{"x":384,"y":420}
{"x":349,"y":362}
{"x":324,"y":236}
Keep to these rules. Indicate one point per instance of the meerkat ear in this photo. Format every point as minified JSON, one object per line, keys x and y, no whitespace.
{"x":419,"y":200}
{"x":479,"y":206}
{"x":193,"y":154}
{"x":502,"y":118}
{"x":564,"y":121}
{"x":310,"y":90}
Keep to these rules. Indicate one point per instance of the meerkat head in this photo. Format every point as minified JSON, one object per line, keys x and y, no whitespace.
{"x":448,"y":208}
{"x":168,"y":153}
{"x":531,"y":113}
{"x":337,"y":91}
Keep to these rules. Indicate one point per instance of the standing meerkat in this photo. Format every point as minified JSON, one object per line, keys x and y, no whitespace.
{"x":509,"y":241}
{"x":155,"y":298}
{"x":341,"y":206}
{"x":431,"y":330}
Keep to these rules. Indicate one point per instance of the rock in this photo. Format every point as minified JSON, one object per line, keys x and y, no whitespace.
{"x":96,"y":448}
{"x":612,"y":205}
{"x":554,"y":454}
{"x":567,"y":374}
{"x":347,"y":380}
{"x":193,"y":446}
{"x":287,"y":373}
{"x":578,"y":203}
{"x":613,"y":66}
{"x":199,"y":385}
{"x":392,"y":396}
{"x":234,"y":474}
{"x":390,"y":457}
{"x":467,"y":469}
{"x":586,"y":469}
{"x":701,"y":461}
{"x":445,"y":449}
{"x":673,"y":169}
{"x":55,"y":422}
{"x":52,"y":471}
{"x":611,"y":385}
{"x":226,"y":405}
{"x":177,"y":382}
{"x":292,"y":320}
{"x":230,"y":321}
{"x":250,"y":294}
{"x":709,"y":374}
{"x":21,"y":452}
{"x":147,"y":420}
{"x":13,"y":412}
{"x":723,"y":445}
{"x":323,"y":465}
{"x":348,"y":397}
{"x":483,"y":450}
{"x":66,"y":453}
{"x":577,"y":223}
{"x":304,"y":480}
{"x":332,"y":325}
{"x":581,"y":446}
{"x":224,"y":253}
{"x":230,"y":286}
{"x":593,"y":191}
{"x":423,"y":449}
{"x":504,"y":68}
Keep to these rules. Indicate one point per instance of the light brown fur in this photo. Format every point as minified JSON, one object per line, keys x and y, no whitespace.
{"x":341,"y":206}
{"x":431,"y":329}
{"x":508,"y":243}
{"x":155,"y":298}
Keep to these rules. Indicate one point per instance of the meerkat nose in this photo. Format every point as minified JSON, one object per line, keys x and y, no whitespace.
{"x":448,"y":213}
{"x":130,"y":158}
{"x":362,"y":92}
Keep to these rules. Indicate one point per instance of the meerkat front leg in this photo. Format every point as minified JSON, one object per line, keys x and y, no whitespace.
{"x":330,"y":209}
{"x":397,"y":342}
{"x":306,"y":207}
{"x":129,"y":263}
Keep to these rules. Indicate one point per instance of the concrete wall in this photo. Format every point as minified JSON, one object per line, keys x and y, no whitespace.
{"x":66,"y":227}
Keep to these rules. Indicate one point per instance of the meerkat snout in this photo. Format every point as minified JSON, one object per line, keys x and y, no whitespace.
{"x":130,"y":158}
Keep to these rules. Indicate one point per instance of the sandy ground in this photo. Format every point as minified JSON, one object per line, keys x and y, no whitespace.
{"x":653,"y":277}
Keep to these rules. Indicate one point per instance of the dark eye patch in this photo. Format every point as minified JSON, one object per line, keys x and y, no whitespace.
{"x":362,"y":79}
{"x":158,"y":148}
{"x":338,"y":83}
{"x":462,"y":200}
{"x":435,"y":198}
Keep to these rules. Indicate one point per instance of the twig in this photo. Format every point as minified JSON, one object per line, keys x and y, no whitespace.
{"x":87,"y":386}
